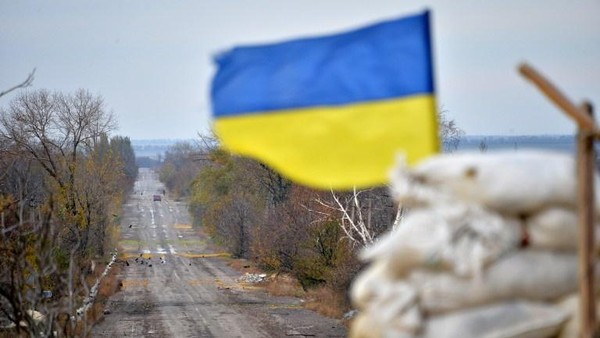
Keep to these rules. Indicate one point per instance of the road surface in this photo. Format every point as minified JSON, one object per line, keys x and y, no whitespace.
{"x":179,"y":289}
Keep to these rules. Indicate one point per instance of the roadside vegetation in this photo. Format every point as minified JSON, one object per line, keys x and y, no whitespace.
{"x":307,"y":235}
{"x":63,"y":180}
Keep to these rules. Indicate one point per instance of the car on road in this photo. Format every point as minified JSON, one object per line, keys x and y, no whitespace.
{"x":156,"y":198}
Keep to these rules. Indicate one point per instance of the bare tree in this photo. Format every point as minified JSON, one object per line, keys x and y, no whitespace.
{"x":180,"y":166}
{"x":233,"y":224}
{"x":364,"y":214}
{"x":54,"y":129}
{"x":450,"y":133}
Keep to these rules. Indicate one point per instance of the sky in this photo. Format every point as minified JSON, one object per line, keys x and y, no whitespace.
{"x":152,"y":61}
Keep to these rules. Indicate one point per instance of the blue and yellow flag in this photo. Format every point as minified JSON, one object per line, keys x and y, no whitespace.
{"x":332,"y":111}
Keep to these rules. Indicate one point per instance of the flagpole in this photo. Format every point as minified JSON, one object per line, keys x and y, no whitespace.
{"x":587,"y":132}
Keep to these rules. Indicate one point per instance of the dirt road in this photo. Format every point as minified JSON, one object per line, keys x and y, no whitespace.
{"x":179,"y":290}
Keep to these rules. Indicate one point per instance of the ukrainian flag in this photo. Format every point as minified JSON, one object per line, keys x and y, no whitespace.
{"x":331,"y":112}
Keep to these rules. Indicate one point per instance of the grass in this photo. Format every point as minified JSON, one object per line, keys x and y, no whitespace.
{"x":187,"y":241}
{"x":182,"y":226}
{"x":130,"y":255}
{"x":325,"y":301}
{"x":129,"y":243}
{"x":110,"y":285}
{"x":205,"y":255}
{"x":321,"y":299}
{"x":285,"y":285}
{"x":129,"y":283}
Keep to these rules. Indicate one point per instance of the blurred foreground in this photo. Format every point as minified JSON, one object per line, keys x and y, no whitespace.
{"x":488,"y":249}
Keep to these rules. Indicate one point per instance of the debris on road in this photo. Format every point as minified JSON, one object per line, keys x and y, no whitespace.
{"x":349,"y":315}
{"x":252,"y":278}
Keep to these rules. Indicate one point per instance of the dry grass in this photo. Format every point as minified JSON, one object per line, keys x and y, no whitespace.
{"x":205,"y":255}
{"x":110,"y":285}
{"x":182,"y":226}
{"x":285,"y":285}
{"x":326,"y":302}
{"x":11,"y":333}
{"x":321,"y":299}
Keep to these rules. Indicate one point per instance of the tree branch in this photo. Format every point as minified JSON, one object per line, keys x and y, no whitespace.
{"x":28,"y":81}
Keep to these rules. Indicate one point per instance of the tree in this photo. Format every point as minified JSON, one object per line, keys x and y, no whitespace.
{"x":61,"y":181}
{"x":122,"y":148}
{"x":450,"y":133}
{"x":362,"y":214}
{"x":54,"y":129}
{"x":180,"y":166}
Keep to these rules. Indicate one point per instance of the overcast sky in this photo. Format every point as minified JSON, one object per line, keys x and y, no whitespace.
{"x":152,"y":61}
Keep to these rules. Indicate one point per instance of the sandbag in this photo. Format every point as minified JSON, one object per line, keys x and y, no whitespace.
{"x":411,"y":191}
{"x":390,"y":304}
{"x":525,"y":274}
{"x":519,"y":319}
{"x":460,"y":238}
{"x":510,"y":182}
{"x":572,"y":328}
{"x":367,"y":326}
{"x":369,"y":284}
{"x":555,"y":229}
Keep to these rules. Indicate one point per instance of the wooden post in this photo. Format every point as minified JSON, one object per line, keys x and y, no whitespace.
{"x":585,"y":203}
{"x":583,"y":119}
{"x":588,"y":131}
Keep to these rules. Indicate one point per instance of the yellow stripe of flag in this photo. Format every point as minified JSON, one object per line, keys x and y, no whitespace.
{"x":326,"y":139}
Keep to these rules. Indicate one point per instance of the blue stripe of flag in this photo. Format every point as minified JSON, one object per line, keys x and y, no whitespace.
{"x":387,"y":60}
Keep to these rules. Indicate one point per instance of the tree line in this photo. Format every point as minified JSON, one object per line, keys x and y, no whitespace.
{"x":63,"y":180}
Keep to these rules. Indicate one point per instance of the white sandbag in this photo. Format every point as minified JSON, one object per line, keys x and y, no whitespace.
{"x":507,"y":181}
{"x":525,"y":274}
{"x":391,"y":304}
{"x":411,"y":191}
{"x":369,"y":284}
{"x":555,"y":229}
{"x":519,"y":319}
{"x":572,"y":328}
{"x":417,"y":240}
{"x":461,"y":238}
{"x":367,"y":326}
{"x":397,"y":307}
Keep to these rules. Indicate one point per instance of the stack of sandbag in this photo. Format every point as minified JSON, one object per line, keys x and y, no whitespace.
{"x":488,"y":249}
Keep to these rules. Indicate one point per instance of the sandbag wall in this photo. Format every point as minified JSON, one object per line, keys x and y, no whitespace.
{"x":487,"y":249}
